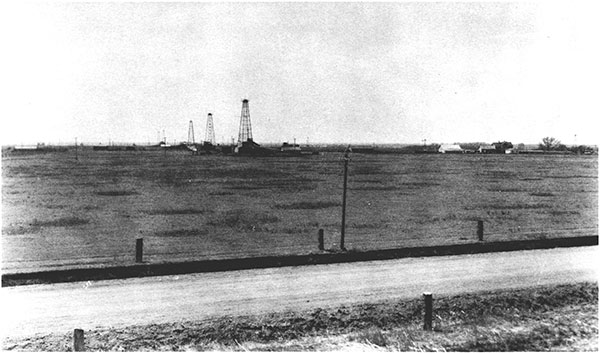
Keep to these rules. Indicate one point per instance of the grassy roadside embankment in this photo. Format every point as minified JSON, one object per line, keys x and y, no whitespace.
{"x":563,"y":317}
{"x":325,"y":257}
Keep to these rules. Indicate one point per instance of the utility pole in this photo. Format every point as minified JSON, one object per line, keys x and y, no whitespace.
{"x":76,"y":157}
{"x":346,"y":159}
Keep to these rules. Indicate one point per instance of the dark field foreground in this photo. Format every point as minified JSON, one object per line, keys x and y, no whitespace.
{"x":61,"y":213}
{"x":550,"y":318}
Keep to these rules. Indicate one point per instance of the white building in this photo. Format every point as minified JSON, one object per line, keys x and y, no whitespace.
{"x":454,"y":148}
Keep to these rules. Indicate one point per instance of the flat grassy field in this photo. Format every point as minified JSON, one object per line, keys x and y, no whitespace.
{"x":58,"y":212}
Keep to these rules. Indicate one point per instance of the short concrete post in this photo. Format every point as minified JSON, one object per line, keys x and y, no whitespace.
{"x":480,"y":230}
{"x":139,"y":250}
{"x":321,"y":240}
{"x":428,"y":311}
{"x":78,"y":343}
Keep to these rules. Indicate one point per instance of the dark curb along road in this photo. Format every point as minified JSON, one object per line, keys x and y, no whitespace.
{"x":161,"y":269}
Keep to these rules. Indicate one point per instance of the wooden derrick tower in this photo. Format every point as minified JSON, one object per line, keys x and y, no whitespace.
{"x":245,"y":126}
{"x":191,"y":140}
{"x":210,"y":130}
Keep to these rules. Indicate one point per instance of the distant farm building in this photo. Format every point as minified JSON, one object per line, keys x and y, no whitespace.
{"x":454,"y":148}
{"x":26,"y":148}
{"x":487,"y":149}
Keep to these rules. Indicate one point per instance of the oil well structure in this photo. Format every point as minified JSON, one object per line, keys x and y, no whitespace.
{"x":191,"y":141}
{"x":209,"y":136}
{"x":246,"y":146}
{"x":210,"y":145}
{"x":245,"y":143}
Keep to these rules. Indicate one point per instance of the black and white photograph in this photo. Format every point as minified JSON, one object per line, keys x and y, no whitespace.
{"x":299,"y":176}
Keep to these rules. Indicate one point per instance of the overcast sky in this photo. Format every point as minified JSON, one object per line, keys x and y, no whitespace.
{"x":335,"y":72}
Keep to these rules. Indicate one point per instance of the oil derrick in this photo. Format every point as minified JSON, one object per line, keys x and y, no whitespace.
{"x":246,"y":145}
{"x":210,"y":131}
{"x":245,"y":127}
{"x":191,"y":141}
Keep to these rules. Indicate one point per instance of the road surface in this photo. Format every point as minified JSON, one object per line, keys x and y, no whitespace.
{"x":60,"y":308}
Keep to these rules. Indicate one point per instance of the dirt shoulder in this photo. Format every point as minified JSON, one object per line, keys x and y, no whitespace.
{"x":544,"y":318}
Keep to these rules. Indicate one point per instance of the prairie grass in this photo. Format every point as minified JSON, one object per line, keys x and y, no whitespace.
{"x":116,"y":193}
{"x":572,"y":176}
{"x":370,"y":170}
{"x":37,"y":225}
{"x":180,"y":233}
{"x":506,"y":190}
{"x":60,"y":222}
{"x":243,"y":219}
{"x":413,"y":194}
{"x":368,"y":181}
{"x":290,"y":230}
{"x":542,"y":194}
{"x":498,"y":174}
{"x":283,"y":185}
{"x":181,"y":211}
{"x":249,"y":173}
{"x":371,"y":336}
{"x":222,"y":193}
{"x":308,"y":205}
{"x":523,"y":206}
{"x":400,"y":186}
{"x":377,"y":188}
{"x":420,"y":184}
{"x":563,"y":213}
{"x":365,"y":225}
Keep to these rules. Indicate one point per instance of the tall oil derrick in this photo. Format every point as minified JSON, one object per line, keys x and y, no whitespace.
{"x":191,"y":140}
{"x":210,"y":131}
{"x":245,"y":127}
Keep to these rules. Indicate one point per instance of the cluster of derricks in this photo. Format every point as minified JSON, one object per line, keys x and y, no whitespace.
{"x":244,"y":146}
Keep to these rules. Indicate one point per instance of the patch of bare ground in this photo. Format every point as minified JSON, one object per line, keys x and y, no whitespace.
{"x":547,"y":318}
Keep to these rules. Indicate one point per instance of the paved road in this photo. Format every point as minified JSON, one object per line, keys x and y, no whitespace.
{"x":62,"y":307}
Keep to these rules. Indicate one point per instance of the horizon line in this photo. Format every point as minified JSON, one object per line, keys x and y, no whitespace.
{"x":311,"y":143}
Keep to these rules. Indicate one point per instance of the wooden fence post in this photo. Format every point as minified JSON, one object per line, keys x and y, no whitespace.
{"x":139,"y":250}
{"x":428,"y":311}
{"x":321,"y":240}
{"x":480,"y":230}
{"x":78,"y":342}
